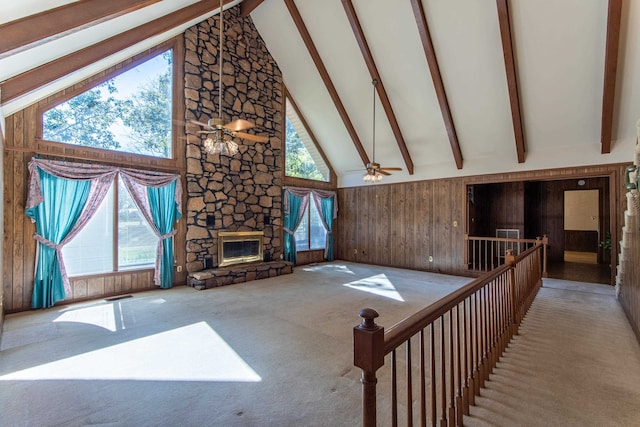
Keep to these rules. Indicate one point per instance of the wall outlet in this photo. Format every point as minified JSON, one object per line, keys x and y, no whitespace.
{"x":179,"y":269}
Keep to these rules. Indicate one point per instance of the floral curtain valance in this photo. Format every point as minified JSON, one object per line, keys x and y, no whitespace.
{"x":86,"y":171}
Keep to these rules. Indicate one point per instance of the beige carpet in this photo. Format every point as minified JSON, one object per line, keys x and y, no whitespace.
{"x":278,"y":352}
{"x":273,"y":352}
{"x":576,"y":362}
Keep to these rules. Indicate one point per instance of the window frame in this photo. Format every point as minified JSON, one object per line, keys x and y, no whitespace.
{"x":297,"y":181}
{"x":308,"y":214}
{"x":115,"y":268}
{"x":121,"y":157}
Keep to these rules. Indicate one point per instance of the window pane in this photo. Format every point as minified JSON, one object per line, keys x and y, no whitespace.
{"x":302,"y":233}
{"x":130,"y":112}
{"x":318,"y":233}
{"x":137,"y":243}
{"x":91,"y":251}
{"x":299,"y":162}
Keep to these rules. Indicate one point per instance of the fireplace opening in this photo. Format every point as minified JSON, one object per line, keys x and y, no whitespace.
{"x":238,"y":247}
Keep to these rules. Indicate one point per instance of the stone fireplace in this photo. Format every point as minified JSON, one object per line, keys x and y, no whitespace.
{"x":241,"y":194}
{"x":239,"y":247}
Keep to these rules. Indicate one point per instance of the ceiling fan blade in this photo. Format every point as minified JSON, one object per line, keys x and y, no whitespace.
{"x":391,"y":169}
{"x":200,"y":123}
{"x":256,"y":138}
{"x":238,"y":125}
{"x":384,"y":172}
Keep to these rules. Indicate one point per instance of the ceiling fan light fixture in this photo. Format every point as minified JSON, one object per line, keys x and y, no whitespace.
{"x":372,"y":177}
{"x":217,"y":145}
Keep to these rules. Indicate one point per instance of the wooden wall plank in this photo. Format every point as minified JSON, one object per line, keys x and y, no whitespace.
{"x":18,"y":170}
{"x":8,"y":226}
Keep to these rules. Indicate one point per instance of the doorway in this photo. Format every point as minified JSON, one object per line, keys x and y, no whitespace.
{"x":537,"y":208}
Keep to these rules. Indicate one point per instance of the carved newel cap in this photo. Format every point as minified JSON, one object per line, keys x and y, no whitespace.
{"x":368,"y":315}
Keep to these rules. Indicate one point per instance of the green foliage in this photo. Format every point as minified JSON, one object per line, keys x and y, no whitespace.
{"x":299,"y":162}
{"x":85,"y":119}
{"x":141,"y":123}
{"x":149,"y":116}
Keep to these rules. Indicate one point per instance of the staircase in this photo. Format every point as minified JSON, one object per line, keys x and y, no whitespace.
{"x":575,"y":362}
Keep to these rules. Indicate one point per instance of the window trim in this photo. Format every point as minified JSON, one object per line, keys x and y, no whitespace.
{"x":116,"y":241}
{"x":131,"y":159}
{"x":333,"y":177}
{"x":308,"y":213}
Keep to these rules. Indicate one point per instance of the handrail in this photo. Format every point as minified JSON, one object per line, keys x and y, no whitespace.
{"x":483,"y":253}
{"x":475,"y":325}
{"x":413,"y":324}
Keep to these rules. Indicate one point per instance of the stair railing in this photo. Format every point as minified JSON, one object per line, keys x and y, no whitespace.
{"x":447,"y":350}
{"x":483,"y":254}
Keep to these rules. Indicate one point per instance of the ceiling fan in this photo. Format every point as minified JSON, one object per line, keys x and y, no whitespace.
{"x":220,"y":139}
{"x":374,"y":170}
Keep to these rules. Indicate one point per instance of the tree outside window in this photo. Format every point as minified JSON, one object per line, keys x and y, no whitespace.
{"x":130,"y":112}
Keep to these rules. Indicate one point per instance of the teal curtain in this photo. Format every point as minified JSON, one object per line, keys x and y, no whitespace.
{"x":164,"y":212}
{"x":327,"y":212}
{"x":62,"y":205}
{"x":294,"y":208}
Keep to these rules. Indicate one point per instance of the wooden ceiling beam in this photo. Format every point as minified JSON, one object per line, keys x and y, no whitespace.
{"x":512,"y":80}
{"x":30,"y":80}
{"x":51,"y":24}
{"x":248,"y":6}
{"x":432,"y":61}
{"x":382,"y":93}
{"x":315,"y":56}
{"x":610,"y":70}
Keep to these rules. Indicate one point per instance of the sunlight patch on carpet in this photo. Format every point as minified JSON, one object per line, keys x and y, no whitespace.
{"x":102,"y":315}
{"x":378,"y":285}
{"x":190,"y":353}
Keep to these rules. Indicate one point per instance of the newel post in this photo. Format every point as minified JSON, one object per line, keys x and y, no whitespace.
{"x":545,"y":242}
{"x":510,"y":259}
{"x":368,"y":355}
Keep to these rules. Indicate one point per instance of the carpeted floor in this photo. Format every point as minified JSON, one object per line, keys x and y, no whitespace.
{"x":575,"y":362}
{"x":278,"y":352}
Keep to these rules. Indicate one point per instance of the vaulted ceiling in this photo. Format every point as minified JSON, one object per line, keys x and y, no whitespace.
{"x":465,"y":87}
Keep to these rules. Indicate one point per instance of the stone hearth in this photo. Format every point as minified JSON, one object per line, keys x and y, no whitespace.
{"x":238,"y":274}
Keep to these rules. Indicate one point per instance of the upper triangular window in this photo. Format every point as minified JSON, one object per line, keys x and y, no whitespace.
{"x":303,"y":158}
{"x":130,"y":112}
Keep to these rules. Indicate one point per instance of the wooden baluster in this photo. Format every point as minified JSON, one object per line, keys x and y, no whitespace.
{"x":423,"y":379}
{"x":409,"y":387}
{"x":514,"y":295}
{"x":434,"y":398}
{"x":452,"y":387}
{"x":468,"y":356}
{"x":545,"y":245}
{"x":458,"y":368}
{"x":368,"y":355}
{"x":478,"y":335}
{"x":394,"y":390}
{"x":443,"y":374}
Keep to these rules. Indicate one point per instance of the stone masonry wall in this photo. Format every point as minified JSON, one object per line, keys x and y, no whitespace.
{"x":243,"y":192}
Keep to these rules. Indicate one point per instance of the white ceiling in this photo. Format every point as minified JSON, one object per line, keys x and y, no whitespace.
{"x":559,"y":48}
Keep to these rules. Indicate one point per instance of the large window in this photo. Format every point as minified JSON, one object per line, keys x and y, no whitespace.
{"x":310,"y":234}
{"x":129,"y":113}
{"x":97,"y":250}
{"x":303,"y":160}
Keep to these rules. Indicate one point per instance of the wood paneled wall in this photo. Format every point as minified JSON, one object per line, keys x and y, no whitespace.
{"x":23,"y":141}
{"x":404,"y":224}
